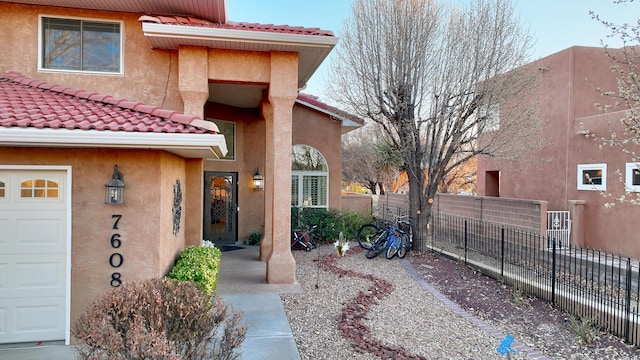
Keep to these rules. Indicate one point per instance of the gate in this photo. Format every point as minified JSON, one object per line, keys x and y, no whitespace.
{"x":558,"y":228}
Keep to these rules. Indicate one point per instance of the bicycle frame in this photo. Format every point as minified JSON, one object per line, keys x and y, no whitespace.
{"x":392,"y":237}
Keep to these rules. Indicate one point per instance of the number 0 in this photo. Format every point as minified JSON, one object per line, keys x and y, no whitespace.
{"x":115,"y":260}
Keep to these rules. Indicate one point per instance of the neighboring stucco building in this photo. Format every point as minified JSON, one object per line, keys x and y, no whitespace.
{"x":559,"y":173}
{"x":188,"y":105}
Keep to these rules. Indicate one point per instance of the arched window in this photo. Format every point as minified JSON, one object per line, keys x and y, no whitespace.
{"x":309,"y":178}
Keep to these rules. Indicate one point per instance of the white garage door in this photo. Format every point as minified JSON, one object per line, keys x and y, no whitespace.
{"x":33,"y":260}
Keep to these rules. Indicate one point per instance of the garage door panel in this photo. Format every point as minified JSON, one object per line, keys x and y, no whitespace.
{"x":37,"y":275}
{"x":45,"y":230}
{"x":31,"y":320}
{"x":4,"y":278}
{"x":4,"y":231}
{"x":26,"y":232}
{"x":33,"y":256}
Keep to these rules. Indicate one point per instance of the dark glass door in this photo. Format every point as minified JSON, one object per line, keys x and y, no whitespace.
{"x":220,"y":207}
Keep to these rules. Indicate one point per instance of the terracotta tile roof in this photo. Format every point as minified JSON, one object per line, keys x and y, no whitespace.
{"x":315,"y":101}
{"x":29,"y":103}
{"x":230,"y":25}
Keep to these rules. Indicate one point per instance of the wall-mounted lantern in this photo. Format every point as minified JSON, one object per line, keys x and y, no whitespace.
{"x":258,"y":181}
{"x":114,"y":189}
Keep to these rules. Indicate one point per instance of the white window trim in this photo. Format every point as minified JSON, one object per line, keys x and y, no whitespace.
{"x":300,"y":174}
{"x":628,"y":179}
{"x":41,"y":68}
{"x":592,"y":187}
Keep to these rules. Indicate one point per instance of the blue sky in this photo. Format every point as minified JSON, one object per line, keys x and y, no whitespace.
{"x":554,"y":24}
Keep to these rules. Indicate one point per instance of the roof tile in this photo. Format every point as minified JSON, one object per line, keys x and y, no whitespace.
{"x":26,"y":102}
{"x":230,"y":25}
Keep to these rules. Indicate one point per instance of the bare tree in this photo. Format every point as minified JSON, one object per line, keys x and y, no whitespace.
{"x":627,"y":98}
{"x":368,"y":159}
{"x":435,"y":78}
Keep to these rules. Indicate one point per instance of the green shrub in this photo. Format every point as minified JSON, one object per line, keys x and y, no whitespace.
{"x":159,"y":319}
{"x":330,"y":222}
{"x":198,"y":264}
{"x":585,"y":328}
{"x":254,"y":238}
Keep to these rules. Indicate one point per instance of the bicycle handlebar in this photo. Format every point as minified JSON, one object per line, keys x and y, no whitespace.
{"x":397,"y":217}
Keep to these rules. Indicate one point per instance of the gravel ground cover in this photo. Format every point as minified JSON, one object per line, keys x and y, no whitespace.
{"x":356,"y":308}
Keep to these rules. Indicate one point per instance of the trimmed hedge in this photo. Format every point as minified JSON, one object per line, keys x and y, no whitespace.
{"x":199,"y":264}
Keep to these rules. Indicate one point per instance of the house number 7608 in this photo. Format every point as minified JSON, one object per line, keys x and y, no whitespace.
{"x":116,"y":259}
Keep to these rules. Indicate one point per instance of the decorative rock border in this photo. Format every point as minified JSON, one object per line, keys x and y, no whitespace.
{"x":351,"y":320}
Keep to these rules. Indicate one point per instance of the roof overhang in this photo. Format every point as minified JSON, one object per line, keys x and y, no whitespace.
{"x":212,"y":10}
{"x":347,"y":123}
{"x":205,"y":146}
{"x":312,"y":49}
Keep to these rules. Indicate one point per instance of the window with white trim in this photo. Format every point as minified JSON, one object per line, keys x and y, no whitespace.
{"x":592,"y":177}
{"x":632,"y":177}
{"x":3,"y":189}
{"x":309,"y":178}
{"x":78,"y":45}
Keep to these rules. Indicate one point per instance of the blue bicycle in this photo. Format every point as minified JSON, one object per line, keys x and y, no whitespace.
{"x":392,"y":238}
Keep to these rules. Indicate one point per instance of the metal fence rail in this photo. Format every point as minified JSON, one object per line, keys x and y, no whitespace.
{"x":585,"y":283}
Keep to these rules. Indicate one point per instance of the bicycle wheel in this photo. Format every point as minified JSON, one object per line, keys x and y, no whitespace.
{"x":404,"y":245}
{"x":392,"y":249}
{"x":368,"y":234}
{"x":376,"y":248}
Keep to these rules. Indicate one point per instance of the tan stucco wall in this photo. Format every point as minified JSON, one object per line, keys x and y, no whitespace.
{"x":568,"y":103}
{"x":178,"y":80}
{"x":310,"y":127}
{"x":250,"y":155}
{"x":313,"y":128}
{"x":150,"y":76}
{"x":148,"y":244}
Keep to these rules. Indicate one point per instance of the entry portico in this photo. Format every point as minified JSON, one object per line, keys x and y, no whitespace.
{"x":275,"y":67}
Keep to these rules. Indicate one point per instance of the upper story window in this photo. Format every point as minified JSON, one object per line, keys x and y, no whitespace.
{"x":68,"y":44}
{"x":228,"y":129}
{"x":592,"y":177}
{"x":632,"y":177}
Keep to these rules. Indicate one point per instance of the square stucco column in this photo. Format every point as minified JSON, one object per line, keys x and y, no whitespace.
{"x":193,"y":79}
{"x":281,"y":267}
{"x":266,"y":244}
{"x":576,"y":209}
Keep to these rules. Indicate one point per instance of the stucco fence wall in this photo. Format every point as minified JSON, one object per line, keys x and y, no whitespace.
{"x":525,"y":215}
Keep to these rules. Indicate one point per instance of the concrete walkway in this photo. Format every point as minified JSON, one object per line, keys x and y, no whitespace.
{"x":242,"y":285}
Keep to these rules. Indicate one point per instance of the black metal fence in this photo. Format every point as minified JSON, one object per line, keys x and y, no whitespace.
{"x":586,"y":283}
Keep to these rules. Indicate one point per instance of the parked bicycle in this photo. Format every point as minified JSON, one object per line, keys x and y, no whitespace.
{"x":301,"y":239}
{"x":394,"y":238}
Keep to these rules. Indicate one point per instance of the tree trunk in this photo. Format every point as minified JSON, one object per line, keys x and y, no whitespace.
{"x":381,"y":187}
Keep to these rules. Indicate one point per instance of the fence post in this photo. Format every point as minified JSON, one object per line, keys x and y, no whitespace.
{"x":465,"y":242}
{"x":628,"y":303}
{"x":502,"y":253}
{"x":553,"y":272}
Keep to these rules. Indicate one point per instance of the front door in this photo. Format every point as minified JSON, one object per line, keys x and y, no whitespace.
{"x":220,"y":207}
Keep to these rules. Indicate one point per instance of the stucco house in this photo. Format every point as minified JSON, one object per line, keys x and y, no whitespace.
{"x":571,"y":172}
{"x":176,"y":107}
